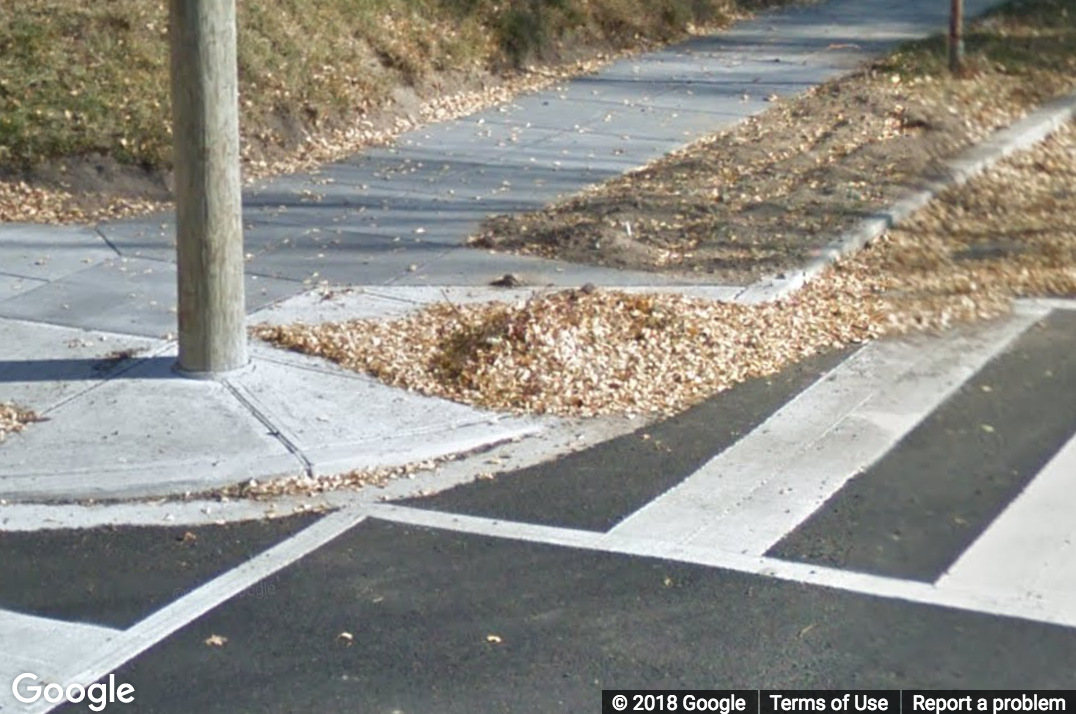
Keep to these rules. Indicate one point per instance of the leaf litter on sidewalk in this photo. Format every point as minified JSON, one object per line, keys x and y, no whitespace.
{"x":14,"y":419}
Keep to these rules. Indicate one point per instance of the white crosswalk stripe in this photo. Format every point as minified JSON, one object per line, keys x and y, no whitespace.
{"x":747,"y":498}
{"x":730,"y":512}
{"x":1030,"y":550}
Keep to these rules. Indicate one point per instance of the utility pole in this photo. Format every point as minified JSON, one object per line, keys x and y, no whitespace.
{"x":956,"y":36}
{"x":209,"y":229}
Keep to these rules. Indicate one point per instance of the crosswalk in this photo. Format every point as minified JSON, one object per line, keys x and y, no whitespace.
{"x":750,"y":496}
{"x":737,"y":509}
{"x":781,"y":502}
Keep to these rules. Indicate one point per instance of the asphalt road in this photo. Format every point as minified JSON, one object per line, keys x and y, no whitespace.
{"x":942,"y":563}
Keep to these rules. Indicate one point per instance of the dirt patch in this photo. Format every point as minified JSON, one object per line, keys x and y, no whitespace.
{"x":82,"y":189}
{"x":765,"y":196}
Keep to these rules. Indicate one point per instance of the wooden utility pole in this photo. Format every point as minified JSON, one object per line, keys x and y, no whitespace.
{"x":956,"y":36}
{"x":209,"y":230}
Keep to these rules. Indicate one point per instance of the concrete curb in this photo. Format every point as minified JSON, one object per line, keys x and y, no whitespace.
{"x":1023,"y":134}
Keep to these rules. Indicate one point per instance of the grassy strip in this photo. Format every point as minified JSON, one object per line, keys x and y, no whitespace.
{"x":81,"y":78}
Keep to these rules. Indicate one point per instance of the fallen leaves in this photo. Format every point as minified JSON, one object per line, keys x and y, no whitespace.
{"x":772,"y":191}
{"x":14,"y":419}
{"x":591,"y":351}
{"x":23,"y":202}
{"x":580,"y":352}
{"x":303,"y":485}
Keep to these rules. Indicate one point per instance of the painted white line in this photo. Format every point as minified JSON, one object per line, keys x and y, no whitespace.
{"x":128,"y":644}
{"x":1030,"y":549}
{"x":43,"y":647}
{"x":951,"y":596}
{"x":755,"y":492}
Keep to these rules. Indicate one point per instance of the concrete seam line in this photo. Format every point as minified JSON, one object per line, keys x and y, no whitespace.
{"x":134,"y":641}
{"x":294,"y":360}
{"x":274,"y":431}
{"x":404,"y":273}
{"x":95,"y":384}
{"x":1023,"y":134}
{"x":98,"y":230}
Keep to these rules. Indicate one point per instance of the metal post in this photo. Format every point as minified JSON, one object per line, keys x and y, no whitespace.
{"x":209,"y":231}
{"x":956,"y":36}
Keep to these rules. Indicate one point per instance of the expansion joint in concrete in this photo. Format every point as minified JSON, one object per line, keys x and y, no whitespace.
{"x":271,"y":428}
{"x":110,"y":244}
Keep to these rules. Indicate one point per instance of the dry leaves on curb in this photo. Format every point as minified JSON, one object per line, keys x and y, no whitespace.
{"x":303,"y":485}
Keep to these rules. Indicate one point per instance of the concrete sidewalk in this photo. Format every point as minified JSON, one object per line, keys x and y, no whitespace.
{"x":87,"y":313}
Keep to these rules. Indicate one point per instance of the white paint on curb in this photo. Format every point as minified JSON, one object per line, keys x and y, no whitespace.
{"x":1050,"y":303}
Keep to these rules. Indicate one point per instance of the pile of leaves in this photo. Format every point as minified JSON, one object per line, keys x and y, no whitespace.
{"x":314,"y":485}
{"x":1011,"y":232}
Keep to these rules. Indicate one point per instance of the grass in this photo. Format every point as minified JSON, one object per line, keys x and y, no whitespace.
{"x":80,"y":78}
